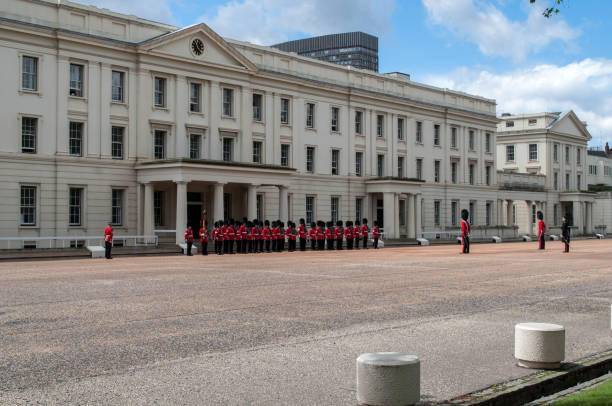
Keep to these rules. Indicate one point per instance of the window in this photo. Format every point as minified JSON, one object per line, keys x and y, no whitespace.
{"x":472,"y":214}
{"x":380,"y":165}
{"x":335,"y":157}
{"x":487,"y":142}
{"x":532,"y":121}
{"x":454,"y":172}
{"x":556,"y":152}
{"x":334,"y":209}
{"x":117,"y":207}
{"x":195,"y":146}
{"x":419,"y":169}
{"x":358,"y":164}
{"x":75,"y":140}
{"x":419,"y":132}
{"x":567,"y":155}
{"x":380,"y":122}
{"x":257,"y":152}
{"x":228,"y":149}
{"x":556,"y":214}
{"x":284,"y":113}
{"x":472,"y":173}
{"x":578,"y":157}
{"x":160,"y":92}
{"x":578,"y":182}
{"x":509,"y":153}
{"x":117,"y":142}
{"x":158,"y":207}
{"x":400,"y":129}
{"x":533,"y":152}
{"x":358,"y":122}
{"x":358,"y":208}
{"x":400,"y":166}
{"x":28,"y":205}
{"x":509,"y":123}
{"x":402,"y":212}
{"x":437,"y":171}
{"x":513,"y":214}
{"x":159,"y":144}
{"x":309,"y":209}
{"x":75,"y":206}
{"x":76,"y":80}
{"x":227,"y":206}
{"x":195,"y":91}
{"x":436,"y":212}
{"x":310,"y":115}
{"x":533,"y":213}
{"x":556,"y":181}
{"x":228,"y":102}
{"x":29,"y":127}
{"x":260,"y":206}
{"x":310,"y":155}
{"x":488,"y":175}
{"x":453,"y":137}
{"x":592,"y":169}
{"x":471,"y":140}
{"x":284,"y":154}
{"x":453,"y":213}
{"x":335,"y":112}
{"x":257,"y":103}
{"x":488,"y":214}
{"x":436,"y":134}
{"x":117,"y":86}
{"x":29,"y":73}
{"x":567,"y":181}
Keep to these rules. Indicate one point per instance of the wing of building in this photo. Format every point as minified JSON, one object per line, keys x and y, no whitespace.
{"x":109,"y":117}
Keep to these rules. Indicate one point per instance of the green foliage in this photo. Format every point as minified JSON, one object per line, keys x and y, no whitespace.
{"x":598,"y":396}
{"x":550,"y":11}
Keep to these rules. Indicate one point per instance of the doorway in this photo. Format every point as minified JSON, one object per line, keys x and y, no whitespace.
{"x":194,"y":216}
{"x":380,"y":213}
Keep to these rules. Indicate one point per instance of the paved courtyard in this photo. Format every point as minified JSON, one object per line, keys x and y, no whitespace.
{"x":285,"y":329}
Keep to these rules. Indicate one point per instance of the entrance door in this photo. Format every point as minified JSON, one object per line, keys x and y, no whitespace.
{"x":380,"y":213}
{"x":194,"y":216}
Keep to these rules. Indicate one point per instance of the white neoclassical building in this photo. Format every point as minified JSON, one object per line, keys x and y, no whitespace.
{"x":109,"y":117}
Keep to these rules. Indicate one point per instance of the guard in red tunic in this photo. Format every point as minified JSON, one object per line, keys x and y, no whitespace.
{"x":245,"y":235}
{"x":301,"y":230}
{"x":220,"y":237}
{"x":291,"y":234}
{"x":565,"y":234}
{"x":261,"y":238}
{"x":238,"y":236}
{"x":281,"y":236}
{"x":329,"y":236}
{"x":364,"y":233}
{"x":223,"y":235}
{"x":339,"y":234}
{"x":312,"y":235}
{"x":348,"y":235}
{"x":204,"y":238}
{"x":541,"y":230}
{"x":356,"y":234}
{"x":466,"y":229}
{"x":267,"y":235}
{"x":275,"y":241}
{"x":108,"y":240}
{"x":254,"y":237}
{"x":230,"y":233}
{"x":189,"y":239}
{"x":375,"y":234}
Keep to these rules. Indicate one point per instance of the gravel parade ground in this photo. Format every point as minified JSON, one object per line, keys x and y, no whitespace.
{"x":285,"y":328}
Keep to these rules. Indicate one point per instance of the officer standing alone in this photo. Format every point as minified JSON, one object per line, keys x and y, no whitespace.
{"x":108,"y":240}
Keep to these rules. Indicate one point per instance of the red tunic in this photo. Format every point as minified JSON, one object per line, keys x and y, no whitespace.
{"x":188,"y":235}
{"x":348,"y":233}
{"x":465,"y":228}
{"x":290,"y":234}
{"x":301,"y":231}
{"x":541,"y":228}
{"x":203,"y":235}
{"x":230,"y":234}
{"x":266,"y":234}
{"x":312,"y":234}
{"x":320,"y":234}
{"x":356,"y":232}
{"x":338,"y":233}
{"x":329,"y":234}
{"x":375,"y":232}
{"x":364,"y":230}
{"x":108,"y":234}
{"x":243,"y":232}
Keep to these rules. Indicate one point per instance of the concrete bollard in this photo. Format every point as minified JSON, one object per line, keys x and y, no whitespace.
{"x":388,"y":379}
{"x":497,"y":239}
{"x":422,"y":241}
{"x":539,"y":345}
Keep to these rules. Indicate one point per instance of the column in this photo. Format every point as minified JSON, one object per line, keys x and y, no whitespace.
{"x":410,"y":217}
{"x":218,"y":201}
{"x":252,"y":202}
{"x":417,"y":215}
{"x":389,"y":214}
{"x":529,"y":217}
{"x":181,"y":210}
{"x":148,"y":221}
{"x":577,"y":216}
{"x":500,"y":212}
{"x":509,"y":219}
{"x":283,"y":207}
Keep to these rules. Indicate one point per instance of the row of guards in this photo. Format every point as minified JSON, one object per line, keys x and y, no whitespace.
{"x":262,"y":236}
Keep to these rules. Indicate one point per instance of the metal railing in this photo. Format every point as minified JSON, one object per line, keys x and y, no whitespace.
{"x":440,"y":235}
{"x":50,"y":242}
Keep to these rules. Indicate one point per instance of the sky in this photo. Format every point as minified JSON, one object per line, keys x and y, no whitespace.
{"x":499,"y":49}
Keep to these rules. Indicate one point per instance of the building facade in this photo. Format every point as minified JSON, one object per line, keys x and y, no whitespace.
{"x":356,"y":49}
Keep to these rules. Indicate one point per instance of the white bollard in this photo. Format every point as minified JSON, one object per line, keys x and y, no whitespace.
{"x":539,"y":345}
{"x":388,"y":379}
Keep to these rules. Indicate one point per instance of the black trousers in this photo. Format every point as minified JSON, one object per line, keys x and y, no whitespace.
{"x":230,"y":246}
{"x":356,"y":243}
{"x":108,"y":246}
{"x":330,"y":244}
{"x":365,"y":242}
{"x":268,"y":245}
{"x":466,"y":244}
{"x":375,"y":242}
{"x":204,"y":247}
{"x":349,"y":243}
{"x":302,"y":244}
{"x":321,"y":244}
{"x":313,"y":244}
{"x":339,"y":244}
{"x":281,"y":244}
{"x":566,"y":241}
{"x":542,"y":242}
{"x":189,"y":245}
{"x":225,"y":246}
{"x":292,"y":245}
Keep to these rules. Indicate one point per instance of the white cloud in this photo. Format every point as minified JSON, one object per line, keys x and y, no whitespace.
{"x":267,"y":22}
{"x":585,"y":87}
{"x":155,"y":10}
{"x":486,"y":26}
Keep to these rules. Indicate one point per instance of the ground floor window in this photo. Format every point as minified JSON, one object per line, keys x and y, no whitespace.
{"x":117,"y":207}
{"x":488,"y":214}
{"x":75,"y":206}
{"x":472,"y":214}
{"x":533,"y":213}
{"x":335,"y":203}
{"x":556,"y":214}
{"x":28,"y":205}
{"x":309,"y":209}
{"x":454,"y":213}
{"x":437,"y":212}
{"x":158,"y":207}
{"x":260,"y":207}
{"x":402,"y":212}
{"x":227,"y":206}
{"x":358,"y":209}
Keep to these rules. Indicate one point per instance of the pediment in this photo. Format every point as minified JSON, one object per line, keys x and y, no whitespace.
{"x":570,"y":124}
{"x":178,"y":45}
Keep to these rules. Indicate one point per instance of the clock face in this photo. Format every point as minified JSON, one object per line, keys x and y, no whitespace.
{"x":197,"y":46}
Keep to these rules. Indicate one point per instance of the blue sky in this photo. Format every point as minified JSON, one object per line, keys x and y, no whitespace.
{"x":501,"y":49}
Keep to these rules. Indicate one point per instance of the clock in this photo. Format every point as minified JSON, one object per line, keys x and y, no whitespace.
{"x":197,"y":46}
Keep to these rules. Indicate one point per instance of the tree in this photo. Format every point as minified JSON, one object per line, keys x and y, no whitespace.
{"x":550,"y":11}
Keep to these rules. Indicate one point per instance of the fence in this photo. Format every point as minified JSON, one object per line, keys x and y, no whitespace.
{"x":75,"y":241}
